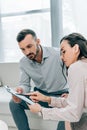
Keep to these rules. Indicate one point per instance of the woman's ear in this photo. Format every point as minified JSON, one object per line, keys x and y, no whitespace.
{"x":76,"y":48}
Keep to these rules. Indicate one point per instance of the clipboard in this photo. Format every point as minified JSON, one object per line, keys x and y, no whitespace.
{"x":21,"y":96}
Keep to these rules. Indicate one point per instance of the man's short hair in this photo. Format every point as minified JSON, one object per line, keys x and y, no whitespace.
{"x":21,"y":35}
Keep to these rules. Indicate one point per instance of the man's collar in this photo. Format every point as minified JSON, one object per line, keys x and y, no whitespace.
{"x":45,"y":52}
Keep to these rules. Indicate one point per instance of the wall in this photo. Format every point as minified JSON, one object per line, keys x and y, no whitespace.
{"x":9,"y":74}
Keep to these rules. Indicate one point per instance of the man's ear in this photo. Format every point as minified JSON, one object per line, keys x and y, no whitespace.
{"x":38,"y":41}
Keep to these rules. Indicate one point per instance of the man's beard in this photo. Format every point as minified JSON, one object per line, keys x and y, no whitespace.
{"x":32,"y":55}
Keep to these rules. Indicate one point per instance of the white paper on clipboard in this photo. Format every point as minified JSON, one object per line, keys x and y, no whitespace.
{"x":21,"y":96}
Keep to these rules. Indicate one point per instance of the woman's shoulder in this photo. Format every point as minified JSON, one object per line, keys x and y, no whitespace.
{"x":78,"y":66}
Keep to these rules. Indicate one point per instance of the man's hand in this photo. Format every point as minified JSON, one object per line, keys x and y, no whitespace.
{"x":65,"y":95}
{"x":16,"y":99}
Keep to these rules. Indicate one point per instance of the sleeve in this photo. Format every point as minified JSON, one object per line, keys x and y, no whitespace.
{"x":71,"y":108}
{"x":58,"y":102}
{"x":24,"y":79}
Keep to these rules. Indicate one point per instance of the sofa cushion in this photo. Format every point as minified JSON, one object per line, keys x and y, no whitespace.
{"x":4,"y":101}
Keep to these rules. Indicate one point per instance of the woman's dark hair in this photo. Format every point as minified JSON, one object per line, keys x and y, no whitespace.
{"x":76,"y":38}
{"x":21,"y":35}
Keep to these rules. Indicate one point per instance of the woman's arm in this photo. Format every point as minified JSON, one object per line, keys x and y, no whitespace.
{"x":75,"y":101}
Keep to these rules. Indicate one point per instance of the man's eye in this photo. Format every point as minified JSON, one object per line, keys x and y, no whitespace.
{"x":29,"y":46}
{"x":22,"y":49}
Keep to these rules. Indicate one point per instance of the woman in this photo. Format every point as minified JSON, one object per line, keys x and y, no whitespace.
{"x":74,"y":56}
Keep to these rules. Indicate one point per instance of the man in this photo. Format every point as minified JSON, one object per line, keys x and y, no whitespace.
{"x":44,"y":67}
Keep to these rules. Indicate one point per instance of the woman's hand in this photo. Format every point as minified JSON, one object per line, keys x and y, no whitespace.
{"x":35,"y":108}
{"x":37,"y":96}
